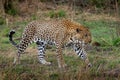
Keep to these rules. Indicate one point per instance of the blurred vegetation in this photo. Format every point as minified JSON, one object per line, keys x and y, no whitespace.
{"x":12,"y":7}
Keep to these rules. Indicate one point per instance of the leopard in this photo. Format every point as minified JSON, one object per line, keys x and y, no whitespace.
{"x":57,"y":32}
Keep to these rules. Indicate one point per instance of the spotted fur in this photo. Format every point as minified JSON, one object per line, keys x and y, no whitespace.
{"x":56,"y":32}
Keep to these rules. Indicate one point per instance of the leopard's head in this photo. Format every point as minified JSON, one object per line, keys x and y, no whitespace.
{"x":81,"y":33}
{"x":77,"y":32}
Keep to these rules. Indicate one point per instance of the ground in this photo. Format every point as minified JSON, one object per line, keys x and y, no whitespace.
{"x":105,"y":66}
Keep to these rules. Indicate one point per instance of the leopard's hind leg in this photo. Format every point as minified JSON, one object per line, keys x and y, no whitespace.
{"x":21,"y":48}
{"x":60,"y":57}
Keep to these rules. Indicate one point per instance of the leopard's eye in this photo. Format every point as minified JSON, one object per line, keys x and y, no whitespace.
{"x":78,"y":30}
{"x":86,"y":35}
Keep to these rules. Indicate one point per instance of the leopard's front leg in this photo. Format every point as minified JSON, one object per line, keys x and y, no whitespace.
{"x":41,"y":53}
{"x":82,"y":54}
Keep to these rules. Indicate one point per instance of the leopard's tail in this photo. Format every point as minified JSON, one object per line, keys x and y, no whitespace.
{"x":12,"y":32}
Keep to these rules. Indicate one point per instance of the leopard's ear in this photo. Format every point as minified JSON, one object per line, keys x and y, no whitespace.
{"x":78,"y":30}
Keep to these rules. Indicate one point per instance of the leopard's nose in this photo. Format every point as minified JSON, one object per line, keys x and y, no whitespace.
{"x":90,"y":41}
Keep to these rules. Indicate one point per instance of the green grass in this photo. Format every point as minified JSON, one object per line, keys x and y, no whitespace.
{"x":103,"y":58}
{"x":4,"y":31}
{"x":103,"y":31}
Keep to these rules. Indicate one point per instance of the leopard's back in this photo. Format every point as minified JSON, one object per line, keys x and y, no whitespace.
{"x":48,"y":31}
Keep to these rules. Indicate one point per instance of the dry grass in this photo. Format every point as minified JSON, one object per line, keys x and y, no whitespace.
{"x":89,"y":16}
{"x":30,"y":69}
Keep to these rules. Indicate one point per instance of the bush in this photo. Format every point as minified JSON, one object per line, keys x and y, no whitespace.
{"x":2,"y":21}
{"x":98,"y":3}
{"x":11,"y":7}
{"x":57,"y":14}
{"x":116,"y":42}
{"x":12,"y":12}
{"x":61,"y":13}
{"x":51,"y":14}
